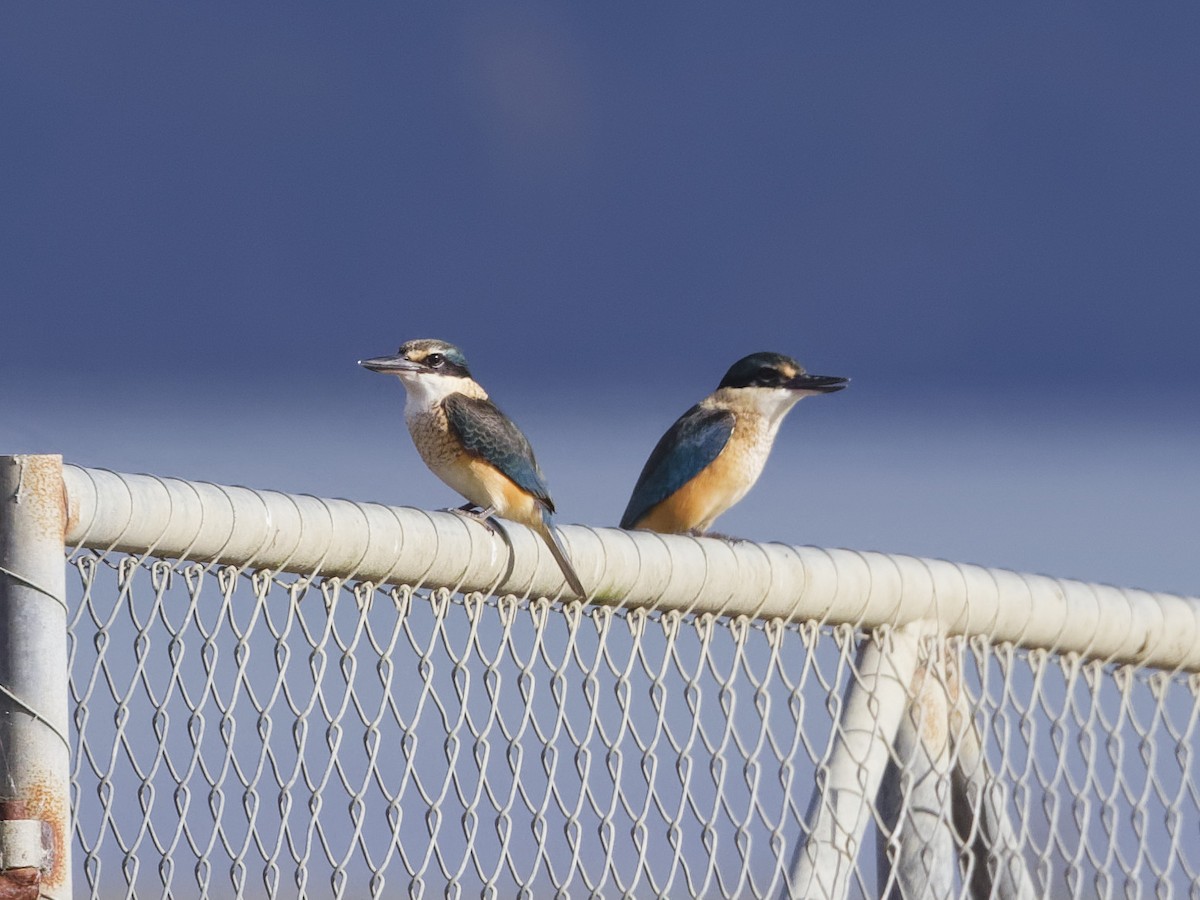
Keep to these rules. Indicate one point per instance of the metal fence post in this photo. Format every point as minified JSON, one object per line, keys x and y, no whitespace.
{"x":35,"y":809}
{"x":876,"y":701}
{"x":917,"y":853}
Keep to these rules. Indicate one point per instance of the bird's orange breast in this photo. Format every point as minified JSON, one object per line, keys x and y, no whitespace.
{"x":508,"y":499}
{"x":712,"y":491}
{"x":476,"y":479}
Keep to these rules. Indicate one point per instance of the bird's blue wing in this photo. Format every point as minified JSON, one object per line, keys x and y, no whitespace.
{"x":691,"y":444}
{"x":490,"y":435}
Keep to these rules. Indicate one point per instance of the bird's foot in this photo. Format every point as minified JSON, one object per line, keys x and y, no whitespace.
{"x":728,"y":538}
{"x":474,"y":512}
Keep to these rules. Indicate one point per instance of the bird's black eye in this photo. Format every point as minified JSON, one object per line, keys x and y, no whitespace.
{"x":434,"y":360}
{"x":766,"y":376}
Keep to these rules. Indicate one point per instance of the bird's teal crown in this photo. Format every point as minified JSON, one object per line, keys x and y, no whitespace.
{"x":761,"y":370}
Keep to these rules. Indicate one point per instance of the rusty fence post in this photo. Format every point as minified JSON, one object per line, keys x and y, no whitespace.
{"x":35,"y":775}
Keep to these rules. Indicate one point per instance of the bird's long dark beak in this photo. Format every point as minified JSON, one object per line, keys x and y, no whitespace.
{"x":820,"y":384}
{"x":390,"y":365}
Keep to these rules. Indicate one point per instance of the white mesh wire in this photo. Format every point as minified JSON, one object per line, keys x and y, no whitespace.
{"x":239,"y":732}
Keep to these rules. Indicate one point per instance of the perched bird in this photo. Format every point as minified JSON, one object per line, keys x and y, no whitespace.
{"x":470,"y":444}
{"x":713,"y":454}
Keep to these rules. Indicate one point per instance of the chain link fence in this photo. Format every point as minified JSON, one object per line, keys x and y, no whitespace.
{"x":243,"y":733}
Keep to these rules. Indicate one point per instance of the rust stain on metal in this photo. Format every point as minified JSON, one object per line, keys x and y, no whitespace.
{"x":931,"y":708}
{"x":46,"y":801}
{"x":70,"y":511}
{"x":12,"y":809}
{"x":20,"y":884}
{"x":23,"y":883}
{"x":40,"y":489}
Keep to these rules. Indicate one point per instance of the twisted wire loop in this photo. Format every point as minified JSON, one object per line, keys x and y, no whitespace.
{"x":339,"y":731}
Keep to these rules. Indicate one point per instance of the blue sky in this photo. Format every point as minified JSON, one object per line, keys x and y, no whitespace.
{"x":988,"y":218}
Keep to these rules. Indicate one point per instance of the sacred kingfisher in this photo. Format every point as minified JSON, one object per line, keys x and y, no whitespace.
{"x":470,"y":444}
{"x":713,"y":454}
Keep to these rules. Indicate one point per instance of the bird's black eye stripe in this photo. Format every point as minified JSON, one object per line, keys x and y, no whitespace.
{"x":434,"y":360}
{"x":767,"y":377}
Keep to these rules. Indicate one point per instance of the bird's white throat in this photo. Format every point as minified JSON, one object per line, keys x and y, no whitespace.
{"x":772,"y":404}
{"x":426,"y":389}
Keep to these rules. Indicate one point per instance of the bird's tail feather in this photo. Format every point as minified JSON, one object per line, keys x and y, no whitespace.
{"x":550,"y":536}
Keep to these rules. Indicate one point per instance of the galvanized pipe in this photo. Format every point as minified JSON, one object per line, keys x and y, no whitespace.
{"x":848,"y":779}
{"x":917,"y":854}
{"x":980,"y":809}
{"x":173,"y":518}
{"x":35,"y":774}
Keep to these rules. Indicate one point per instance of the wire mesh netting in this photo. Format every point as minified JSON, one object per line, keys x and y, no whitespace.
{"x":240,"y":732}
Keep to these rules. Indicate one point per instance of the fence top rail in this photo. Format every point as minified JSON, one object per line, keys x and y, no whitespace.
{"x":185,"y":520}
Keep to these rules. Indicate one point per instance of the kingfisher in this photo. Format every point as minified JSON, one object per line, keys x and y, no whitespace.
{"x":713,"y":454}
{"x":470,"y":444}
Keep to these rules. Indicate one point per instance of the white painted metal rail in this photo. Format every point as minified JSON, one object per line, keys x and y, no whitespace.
{"x":177,"y":519}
